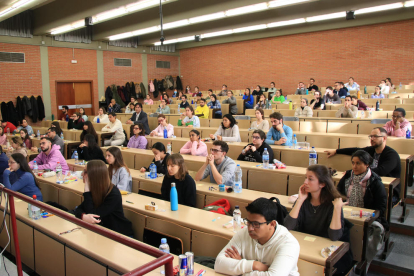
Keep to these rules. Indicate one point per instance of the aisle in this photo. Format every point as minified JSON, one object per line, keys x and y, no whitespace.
{"x":11,"y":268}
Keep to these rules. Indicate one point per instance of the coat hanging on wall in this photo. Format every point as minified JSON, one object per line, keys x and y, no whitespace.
{"x":35,"y":110}
{"x":21,"y":112}
{"x":133,"y":91}
{"x":28,"y":106}
{"x":108,"y":95}
{"x":179,"y":84}
{"x":41,"y":108}
{"x":12,"y":114}
{"x":4,"y":114}
{"x":143,"y":90}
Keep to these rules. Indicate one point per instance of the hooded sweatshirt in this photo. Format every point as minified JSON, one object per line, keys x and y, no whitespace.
{"x":50,"y":161}
{"x":280,"y":253}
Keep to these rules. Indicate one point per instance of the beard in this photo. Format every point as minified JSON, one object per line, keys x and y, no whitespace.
{"x":45,"y":150}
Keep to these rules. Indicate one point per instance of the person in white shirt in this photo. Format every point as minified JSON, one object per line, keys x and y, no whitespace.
{"x":385,"y":89}
{"x":228,"y":130}
{"x":103,"y":118}
{"x":304,"y":110}
{"x":263,"y":247}
{"x":159,"y":131}
{"x":114,"y":125}
{"x":351,"y":85}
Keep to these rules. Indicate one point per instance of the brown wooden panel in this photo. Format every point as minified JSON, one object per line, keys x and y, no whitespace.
{"x":50,"y":255}
{"x":143,"y":160}
{"x":342,"y":128}
{"x":69,"y":199}
{"x":270,"y":182}
{"x":313,"y":126}
{"x":200,"y":239}
{"x":295,"y":181}
{"x":25,"y":235}
{"x":65,"y":95}
{"x":138,"y":223}
{"x":200,"y":200}
{"x":79,"y":265}
{"x":49,"y":192}
{"x":310,"y":269}
{"x":321,"y":141}
{"x":113,"y":273}
{"x":83,"y":95}
{"x":354,"y":142}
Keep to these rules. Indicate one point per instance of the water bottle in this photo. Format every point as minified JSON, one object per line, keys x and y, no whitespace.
{"x":24,"y":145}
{"x":164,"y":247}
{"x":153,"y":171}
{"x":267,"y":104}
{"x":179,"y":110}
{"x":295,"y":142}
{"x":35,"y":210}
{"x":35,"y":167}
{"x":400,"y":85}
{"x":192,"y":101}
{"x":169,"y":148}
{"x":160,"y":110}
{"x":61,"y":136}
{"x":59,"y":174}
{"x":362,"y":214}
{"x":8,"y":144}
{"x":173,"y":198}
{"x":238,"y":180}
{"x":377,"y":106}
{"x":97,"y":120}
{"x":408,"y":134}
{"x":75,"y":154}
{"x":365,"y":90}
{"x":313,"y":157}
{"x":165,"y":133}
{"x":38,"y":133}
{"x":290,"y":105}
{"x":236,"y":219}
{"x":195,"y":104}
{"x":307,"y":92}
{"x":265,"y":158}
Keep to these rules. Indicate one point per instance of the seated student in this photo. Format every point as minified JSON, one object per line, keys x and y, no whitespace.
{"x":279,"y":134}
{"x":231,"y":100}
{"x":167,"y":98}
{"x":258,"y":91}
{"x":278,"y":97}
{"x":133,"y":101}
{"x":377,"y":94}
{"x":114,"y":107}
{"x":177,"y":173}
{"x":301,"y":89}
{"x":330,"y":97}
{"x":351,"y":85}
{"x":82,"y":114}
{"x":342,"y":93}
{"x":26,"y":126}
{"x":312,"y":86}
{"x":175,"y":93}
{"x":3,"y":137}
{"x":347,"y":110}
{"x":261,"y":103}
{"x":19,"y":177}
{"x":385,"y":89}
{"x":114,"y":125}
{"x":184,"y":102}
{"x":249,"y":99}
{"x":318,"y":209}
{"x":208,"y":98}
{"x":196,"y":91}
{"x":65,"y":113}
{"x":223,"y":91}
{"x":253,"y":152}
{"x":188,"y":89}
{"x":163,"y":108}
{"x":118,"y":172}
{"x":195,"y":146}
{"x":343,"y":89}
{"x":16,"y":146}
{"x":56,"y":140}
{"x":130,"y":108}
{"x":358,"y":103}
{"x":89,"y":149}
{"x":49,"y":157}
{"x":103,"y":118}
{"x":263,"y":247}
{"x":26,"y":138}
{"x":218,"y":165}
{"x":8,"y":126}
{"x":148,"y":100}
{"x":139,"y":117}
{"x":398,"y":126}
{"x":272,"y":89}
{"x":159,"y":131}
{"x":88,"y":129}
{"x":228,"y":130}
{"x":304,"y":110}
{"x":160,"y":158}
{"x":317,"y":103}
{"x":76,"y":122}
{"x":202,"y":110}
{"x":56,"y":125}
{"x":4,"y":162}
{"x":190,"y":120}
{"x":215,"y":104}
{"x":260,"y":122}
{"x":138,"y":140}
{"x":102,"y":201}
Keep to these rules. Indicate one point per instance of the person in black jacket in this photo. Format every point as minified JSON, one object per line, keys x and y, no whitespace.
{"x":102,"y":202}
{"x":364,"y":188}
{"x":139,"y":117}
{"x":184,"y":183}
{"x":160,"y":158}
{"x":88,"y":129}
{"x":76,"y":122}
{"x":89,"y":149}
{"x":253,"y":152}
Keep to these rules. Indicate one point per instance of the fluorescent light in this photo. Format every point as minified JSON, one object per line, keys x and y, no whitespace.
{"x":409,"y":4}
{"x":250,"y":28}
{"x":207,"y":17}
{"x":6,"y":11}
{"x":109,"y":14}
{"x":207,"y":35}
{"x":78,"y":24}
{"x":62,"y":30}
{"x":280,"y":3}
{"x":187,"y":38}
{"x":67,"y":28}
{"x":121,"y":36}
{"x":326,"y":16}
{"x":247,"y":9}
{"x":176,"y":24}
{"x":142,"y":5}
{"x":380,"y":8}
{"x":286,"y":23}
{"x":21,"y":3}
{"x":171,"y":41}
{"x":146,"y":30}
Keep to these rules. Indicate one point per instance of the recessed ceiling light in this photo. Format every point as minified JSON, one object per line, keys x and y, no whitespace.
{"x":326,"y":16}
{"x":380,"y":8}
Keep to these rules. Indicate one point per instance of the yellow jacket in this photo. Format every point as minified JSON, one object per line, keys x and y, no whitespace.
{"x":202,"y":110}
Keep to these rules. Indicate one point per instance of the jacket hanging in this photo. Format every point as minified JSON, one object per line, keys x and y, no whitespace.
{"x":12,"y":113}
{"x":28,"y":105}
{"x":41,"y":108}
{"x":108,"y":95}
{"x":133,"y":90}
{"x":116,"y":96}
{"x":143,"y":90}
{"x":179,"y":84}
{"x":35,"y":111}
{"x":4,"y":114}
{"x":21,"y":112}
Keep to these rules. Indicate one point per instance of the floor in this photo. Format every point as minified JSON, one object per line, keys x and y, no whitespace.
{"x":11,"y":268}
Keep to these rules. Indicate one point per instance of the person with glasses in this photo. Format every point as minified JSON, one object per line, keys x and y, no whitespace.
{"x":263,"y":247}
{"x":218,"y":165}
{"x":398,"y":126}
{"x":253,"y":152}
{"x":49,"y":156}
{"x":190,"y":120}
{"x":138,"y":140}
{"x":102,"y":200}
{"x":76,"y":121}
{"x":260,"y":122}
{"x":56,"y":140}
{"x":89,"y":149}
{"x":279,"y":134}
{"x":139,"y":117}
{"x":163,"y":124}
{"x":20,"y":178}
{"x":228,"y":130}
{"x":160,"y":158}
{"x":195,"y":146}
{"x":118,"y":171}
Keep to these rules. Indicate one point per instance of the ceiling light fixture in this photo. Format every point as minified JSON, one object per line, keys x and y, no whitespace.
{"x":121,"y":36}
{"x":142,"y":5}
{"x":380,"y":8}
{"x":67,"y":28}
{"x":409,"y":4}
{"x":109,"y":14}
{"x":15,"y":6}
{"x":247,"y":9}
{"x":226,"y":32}
{"x":250,"y":28}
{"x":207,"y":17}
{"x":175,"y":24}
{"x":286,"y":23}
{"x":326,"y":16}
{"x":281,"y":3}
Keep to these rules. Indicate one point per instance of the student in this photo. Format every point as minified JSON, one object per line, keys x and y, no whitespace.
{"x":3,"y":137}
{"x":248,"y":98}
{"x":76,"y":122}
{"x":278,"y":97}
{"x":184,"y":102}
{"x":167,"y":98}
{"x":263,"y":247}
{"x":114,"y":125}
{"x":177,"y":173}
{"x":253,"y":152}
{"x":25,"y":126}
{"x":398,"y":126}
{"x":103,"y":118}
{"x":223,"y":91}
{"x":347,"y":110}
{"x":195,"y":146}
{"x":148,"y":100}
{"x":26,"y":138}
{"x":279,"y":134}
{"x":330,"y":97}
{"x":208,"y":98}
{"x":340,"y":91}
{"x":56,"y":140}
{"x":258,"y":91}
{"x":118,"y":172}
{"x":159,"y":131}
{"x":160,"y":158}
{"x":351,"y":85}
{"x":260,"y":122}
{"x":102,"y":201}
{"x":377,"y":94}
{"x":163,"y":108}
{"x":65,"y":113}
{"x":56,"y":125}
{"x":188,"y":89}
{"x":88,"y":129}
{"x":202,"y":110}
{"x":49,"y":157}
{"x":19,"y":177}
{"x":304,"y":110}
{"x":138,"y":140}
{"x":358,"y":103}
{"x":82,"y":114}
{"x":113,"y":107}
{"x":4,"y":162}
{"x":218,"y":165}
{"x":139,"y":117}
{"x":317,"y":102}
{"x":272,"y":89}
{"x":312,"y":86}
{"x":190,"y":120}
{"x":130,"y":108}
{"x":301,"y":89}
{"x":16,"y":146}
{"x":231,"y":100}
{"x":228,"y":130}
{"x":215,"y":104}
{"x":133,"y":101}
{"x":385,"y":89}
{"x":196,"y":91}
{"x":7,"y":125}
{"x":89,"y":149}
{"x":261,"y":103}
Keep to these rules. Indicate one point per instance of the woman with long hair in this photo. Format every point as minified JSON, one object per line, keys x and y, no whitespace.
{"x":76,"y":122}
{"x":377,"y":93}
{"x":248,"y":97}
{"x":118,"y":170}
{"x":102,"y":116}
{"x":184,"y":183}
{"x":304,"y":110}
{"x":20,"y":178}
{"x":278,"y":97}
{"x":137,"y":139}
{"x":188,"y":118}
{"x":16,"y":146}
{"x":3,"y":137}
{"x":130,"y":108}
{"x":228,"y":131}
{"x":195,"y":146}
{"x":215,"y":104}
{"x":26,"y":138}
{"x":262,"y":102}
{"x":82,"y":114}
{"x":102,"y":201}
{"x":56,"y":125}
{"x":160,"y":158}
{"x":4,"y":162}
{"x":89,"y":149}
{"x":88,"y":129}
{"x":260,"y":122}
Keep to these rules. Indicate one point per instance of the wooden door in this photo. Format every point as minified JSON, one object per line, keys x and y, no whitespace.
{"x":74,"y":95}
{"x":65,"y":95}
{"x":83,"y":96}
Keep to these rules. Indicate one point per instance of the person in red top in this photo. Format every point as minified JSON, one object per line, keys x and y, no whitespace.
{"x":7,"y":125}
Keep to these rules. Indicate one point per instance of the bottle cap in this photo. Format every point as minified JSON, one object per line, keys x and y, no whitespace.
{"x":173,"y":184}
{"x":34,"y":197}
{"x":294,"y":135}
{"x":313,"y":147}
{"x":163,"y":240}
{"x":237,"y":206}
{"x":238,"y":165}
{"x":58,"y":162}
{"x":34,"y":162}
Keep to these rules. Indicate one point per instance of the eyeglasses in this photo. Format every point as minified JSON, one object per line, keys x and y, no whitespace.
{"x":256,"y":137}
{"x":160,"y":121}
{"x":374,"y":136}
{"x":215,"y":150}
{"x":396,"y":116}
{"x":136,"y":127}
{"x":255,"y":224}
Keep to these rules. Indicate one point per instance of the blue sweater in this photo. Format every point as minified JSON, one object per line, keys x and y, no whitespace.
{"x":22,"y":182}
{"x":250,"y":99}
{"x":274,"y":135}
{"x":4,"y":164}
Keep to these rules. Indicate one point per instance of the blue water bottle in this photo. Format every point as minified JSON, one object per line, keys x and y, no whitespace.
{"x":408,"y":134}
{"x":97,"y":120}
{"x":153,"y":170}
{"x":165,"y":133}
{"x":173,"y":198}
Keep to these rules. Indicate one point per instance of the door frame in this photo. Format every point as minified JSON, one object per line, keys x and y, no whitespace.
{"x":74,"y":81}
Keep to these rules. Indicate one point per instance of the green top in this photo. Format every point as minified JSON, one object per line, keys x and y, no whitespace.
{"x":279,"y":99}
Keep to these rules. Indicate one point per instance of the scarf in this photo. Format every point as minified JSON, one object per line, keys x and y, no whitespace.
{"x":356,"y":186}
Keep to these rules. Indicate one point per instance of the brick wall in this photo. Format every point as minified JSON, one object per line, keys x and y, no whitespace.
{"x":368,"y":53}
{"x":160,"y":73}
{"x":120,"y":75}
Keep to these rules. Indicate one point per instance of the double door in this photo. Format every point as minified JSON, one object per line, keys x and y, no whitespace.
{"x":74,"y":94}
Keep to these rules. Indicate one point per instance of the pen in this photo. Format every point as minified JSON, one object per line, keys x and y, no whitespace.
{"x":201,"y":272}
{"x":130,"y":202}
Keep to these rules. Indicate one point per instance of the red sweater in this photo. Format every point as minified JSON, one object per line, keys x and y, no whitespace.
{"x":10,"y":126}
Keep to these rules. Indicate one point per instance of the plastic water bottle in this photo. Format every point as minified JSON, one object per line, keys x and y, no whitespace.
{"x":265,"y":158}
{"x":173,"y":197}
{"x":8,"y":131}
{"x":238,"y":180}
{"x":192,"y":101}
{"x":365,"y":90}
{"x":97,"y":120}
{"x":75,"y":154}
{"x":313,"y":157}
{"x":400,"y":85}
{"x":408,"y":134}
{"x":62,"y":137}
{"x":195,"y":104}
{"x":307,"y":91}
{"x":236,"y":219}
{"x":165,"y":133}
{"x":295,"y":141}
{"x":24,"y":145}
{"x":35,"y":167}
{"x":362,"y":214}
{"x":164,"y":247}
{"x":153,"y":171}
{"x":38,"y":133}
{"x":169,"y":148}
{"x":35,"y":210}
{"x":267,"y":104}
{"x":377,"y":106}
{"x":59,"y":173}
{"x":179,"y":110}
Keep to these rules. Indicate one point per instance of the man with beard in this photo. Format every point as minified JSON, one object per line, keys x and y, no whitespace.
{"x":202,"y":111}
{"x":263,"y":246}
{"x":279,"y":134}
{"x":49,"y":157}
{"x":317,"y":103}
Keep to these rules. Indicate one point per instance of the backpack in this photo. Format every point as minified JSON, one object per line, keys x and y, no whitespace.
{"x":221,"y":206}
